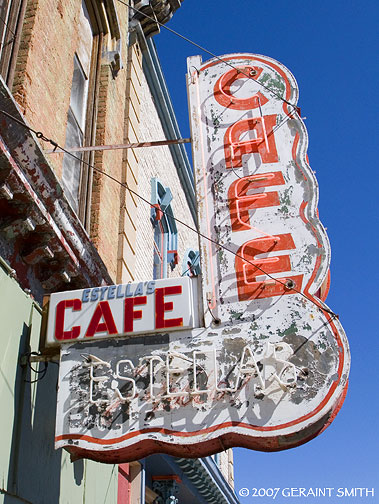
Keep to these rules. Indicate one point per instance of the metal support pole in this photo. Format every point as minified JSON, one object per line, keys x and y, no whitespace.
{"x":136,"y":145}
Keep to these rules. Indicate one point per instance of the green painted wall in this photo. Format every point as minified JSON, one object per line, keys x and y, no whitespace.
{"x":31,"y":470}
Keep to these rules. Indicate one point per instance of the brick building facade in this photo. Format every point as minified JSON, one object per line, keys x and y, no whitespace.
{"x":75,"y":74}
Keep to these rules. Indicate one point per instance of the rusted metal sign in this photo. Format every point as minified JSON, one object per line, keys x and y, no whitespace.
{"x":268,"y":370}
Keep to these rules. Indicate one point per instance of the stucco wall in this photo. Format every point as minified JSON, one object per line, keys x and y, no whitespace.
{"x":31,"y":470}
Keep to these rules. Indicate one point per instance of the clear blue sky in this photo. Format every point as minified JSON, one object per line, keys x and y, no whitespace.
{"x":332,"y":49}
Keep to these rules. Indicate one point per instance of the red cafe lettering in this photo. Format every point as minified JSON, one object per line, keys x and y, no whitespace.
{"x":248,"y":193}
{"x":240,"y":200}
{"x":110,"y":311}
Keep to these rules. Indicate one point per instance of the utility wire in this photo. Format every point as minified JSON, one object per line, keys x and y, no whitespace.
{"x":207,"y":51}
{"x":41,"y":136}
{"x":11,"y":40}
{"x":7,"y":26}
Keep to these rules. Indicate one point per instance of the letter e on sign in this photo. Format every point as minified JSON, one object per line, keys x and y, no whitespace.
{"x":161,"y":307}
{"x":247,"y":270}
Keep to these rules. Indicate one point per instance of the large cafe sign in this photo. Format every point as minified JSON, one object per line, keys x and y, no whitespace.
{"x":246,"y":355}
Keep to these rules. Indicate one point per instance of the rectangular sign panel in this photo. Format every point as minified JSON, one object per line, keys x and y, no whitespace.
{"x":120,"y":310}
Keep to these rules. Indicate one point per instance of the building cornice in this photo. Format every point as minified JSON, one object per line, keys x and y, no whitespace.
{"x":206,"y":477}
{"x":158,"y":12}
{"x":41,"y":236}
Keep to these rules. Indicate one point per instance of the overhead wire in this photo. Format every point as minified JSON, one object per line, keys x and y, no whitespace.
{"x":294,"y":107}
{"x":7,"y":27}
{"x":239,"y":70}
{"x":207,"y":51}
{"x":41,"y":136}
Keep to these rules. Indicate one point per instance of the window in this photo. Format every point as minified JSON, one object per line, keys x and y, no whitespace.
{"x":165,"y":231}
{"x":99,"y":43}
{"x":75,"y":135}
{"x":11,"y":16}
{"x":81,"y":117}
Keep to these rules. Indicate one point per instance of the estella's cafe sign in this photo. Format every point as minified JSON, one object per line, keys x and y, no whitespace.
{"x":247,"y":355}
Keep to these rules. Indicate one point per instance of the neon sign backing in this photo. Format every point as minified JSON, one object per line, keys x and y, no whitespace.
{"x":268,"y":367}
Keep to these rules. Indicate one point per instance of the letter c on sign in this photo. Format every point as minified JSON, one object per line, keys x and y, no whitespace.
{"x":60,"y":333}
{"x":225,"y":97}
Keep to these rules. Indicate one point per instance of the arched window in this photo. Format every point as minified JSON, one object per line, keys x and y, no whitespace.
{"x":165,"y":231}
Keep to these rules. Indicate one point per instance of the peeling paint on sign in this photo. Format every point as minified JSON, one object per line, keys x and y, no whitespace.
{"x":269,"y":369}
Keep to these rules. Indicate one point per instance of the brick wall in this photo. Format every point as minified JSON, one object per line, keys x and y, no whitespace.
{"x":120,"y":224}
{"x":136,"y":236}
{"x":42,"y":88}
{"x":44,"y":67}
{"x":129,"y":202}
{"x":106,"y":193}
{"x":157,"y":162}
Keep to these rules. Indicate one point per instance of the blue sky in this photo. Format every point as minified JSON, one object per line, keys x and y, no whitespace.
{"x":332,"y":49}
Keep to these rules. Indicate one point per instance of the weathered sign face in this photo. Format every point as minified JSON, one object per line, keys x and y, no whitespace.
{"x":269,"y":368}
{"x":258,"y":198}
{"x":118,"y":310}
